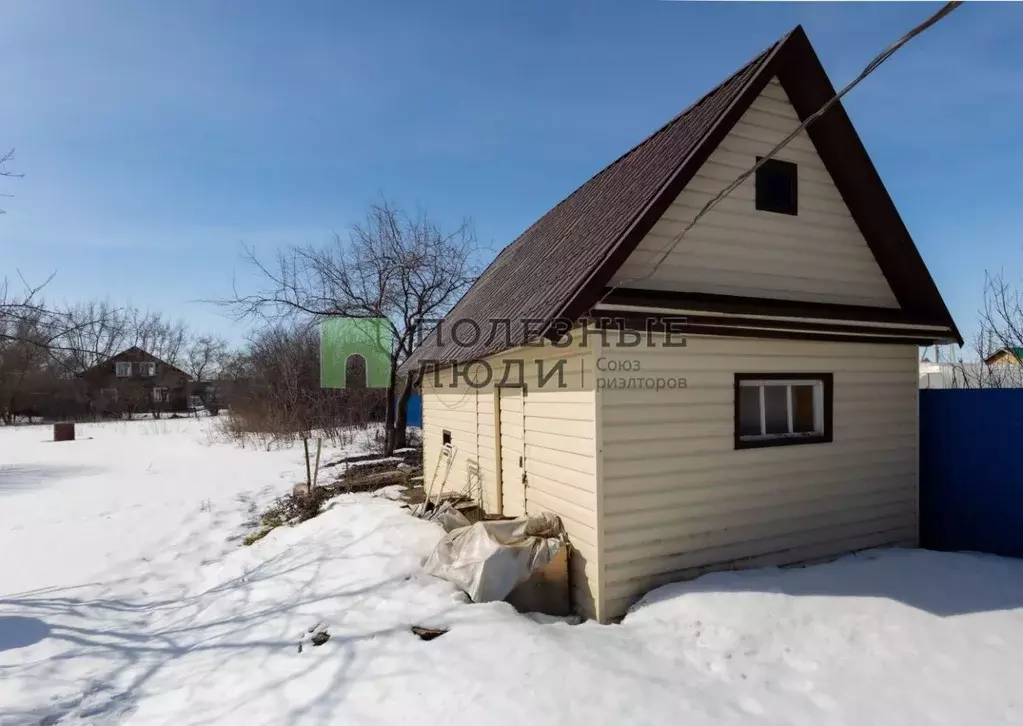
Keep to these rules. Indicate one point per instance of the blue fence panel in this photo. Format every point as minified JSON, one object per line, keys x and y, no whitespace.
{"x":971,"y":470}
{"x":415,"y":410}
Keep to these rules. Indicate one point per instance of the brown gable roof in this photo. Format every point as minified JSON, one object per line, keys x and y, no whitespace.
{"x":135,"y":354}
{"x":559,"y":267}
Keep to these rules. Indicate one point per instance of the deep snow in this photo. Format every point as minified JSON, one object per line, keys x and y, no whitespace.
{"x":125,"y":597}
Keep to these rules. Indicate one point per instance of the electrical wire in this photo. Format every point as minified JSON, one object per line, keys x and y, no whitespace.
{"x":674,"y":241}
{"x":870,"y":68}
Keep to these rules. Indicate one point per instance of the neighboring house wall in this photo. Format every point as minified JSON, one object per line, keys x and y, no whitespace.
{"x":818,"y":255}
{"x":678,"y":499}
{"x":558,"y":432}
{"x":1012,"y":357}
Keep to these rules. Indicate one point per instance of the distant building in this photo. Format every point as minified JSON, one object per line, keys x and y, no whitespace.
{"x":1006,"y":356}
{"x":973,"y":374}
{"x":135,"y":381}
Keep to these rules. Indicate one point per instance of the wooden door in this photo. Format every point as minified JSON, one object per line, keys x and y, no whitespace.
{"x":512,"y":451}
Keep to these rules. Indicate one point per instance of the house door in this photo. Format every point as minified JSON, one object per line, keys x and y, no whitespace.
{"x":512,"y":451}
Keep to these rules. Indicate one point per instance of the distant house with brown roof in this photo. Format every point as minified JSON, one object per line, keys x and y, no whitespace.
{"x":136,"y":381}
{"x":1012,"y":356}
{"x":737,"y":392}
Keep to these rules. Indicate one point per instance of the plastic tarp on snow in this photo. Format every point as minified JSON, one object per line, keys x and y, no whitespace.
{"x":489,"y":559}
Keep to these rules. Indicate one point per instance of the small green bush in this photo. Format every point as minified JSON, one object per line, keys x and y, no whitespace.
{"x":256,"y":536}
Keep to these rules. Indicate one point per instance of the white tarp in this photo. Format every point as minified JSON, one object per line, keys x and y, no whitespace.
{"x":448,"y":517}
{"x":488,"y":559}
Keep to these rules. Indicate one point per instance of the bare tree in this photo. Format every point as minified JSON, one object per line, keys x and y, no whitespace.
{"x":26,"y":319}
{"x":159,"y":336}
{"x":205,"y":357}
{"x":4,"y":172}
{"x":1001,"y":319}
{"x":401,"y":268}
{"x":18,"y":307}
{"x":42,"y":348}
{"x":1000,"y":332}
{"x":99,"y":331}
{"x":23,"y":360}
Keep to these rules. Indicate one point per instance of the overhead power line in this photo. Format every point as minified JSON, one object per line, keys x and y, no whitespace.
{"x":870,"y":68}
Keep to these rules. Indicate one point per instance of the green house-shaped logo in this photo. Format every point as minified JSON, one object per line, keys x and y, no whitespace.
{"x":342,"y":338}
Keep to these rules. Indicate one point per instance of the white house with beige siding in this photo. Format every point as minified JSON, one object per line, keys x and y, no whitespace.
{"x":534,"y":446}
{"x":737,"y":392}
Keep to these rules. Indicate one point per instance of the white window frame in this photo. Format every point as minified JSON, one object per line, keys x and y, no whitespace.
{"x":821,"y":384}
{"x":123,"y":369}
{"x":159,"y":394}
{"x":147,"y":369}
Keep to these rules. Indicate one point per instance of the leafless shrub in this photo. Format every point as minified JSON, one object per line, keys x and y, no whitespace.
{"x":278,"y":400}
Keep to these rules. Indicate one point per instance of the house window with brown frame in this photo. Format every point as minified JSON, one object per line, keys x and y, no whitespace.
{"x":782,"y":409}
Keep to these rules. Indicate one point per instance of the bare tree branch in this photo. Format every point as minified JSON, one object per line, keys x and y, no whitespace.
{"x":998,"y":341}
{"x":5,"y":172}
{"x":394,"y":266}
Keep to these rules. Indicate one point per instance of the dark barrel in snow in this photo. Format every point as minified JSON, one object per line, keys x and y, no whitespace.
{"x":64,"y":431}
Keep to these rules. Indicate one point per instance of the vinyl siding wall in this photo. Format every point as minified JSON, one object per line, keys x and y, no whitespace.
{"x":678,"y":499}
{"x":818,"y":255}
{"x":559,"y":443}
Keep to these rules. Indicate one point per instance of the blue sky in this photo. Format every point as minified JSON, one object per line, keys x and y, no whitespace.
{"x":156,"y":137}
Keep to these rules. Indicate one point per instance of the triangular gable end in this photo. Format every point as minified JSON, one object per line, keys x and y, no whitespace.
{"x":793,"y":68}
{"x":561,"y":266}
{"x":816,"y":255}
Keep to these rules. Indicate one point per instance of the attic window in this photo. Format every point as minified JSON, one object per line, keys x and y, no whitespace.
{"x":123,"y":369}
{"x":780,"y":409}
{"x":777,"y":187}
{"x":147,"y":369}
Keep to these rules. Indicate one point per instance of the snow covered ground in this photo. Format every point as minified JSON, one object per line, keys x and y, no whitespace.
{"x":125,"y":597}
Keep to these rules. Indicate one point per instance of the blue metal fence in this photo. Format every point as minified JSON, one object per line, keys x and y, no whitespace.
{"x":415,"y":410}
{"x":971,"y":470}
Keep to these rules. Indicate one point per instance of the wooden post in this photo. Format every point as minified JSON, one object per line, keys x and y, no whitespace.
{"x":308,"y":473}
{"x":316,"y":469}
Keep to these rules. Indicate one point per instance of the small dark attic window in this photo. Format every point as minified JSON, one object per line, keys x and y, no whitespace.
{"x":777,"y":187}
